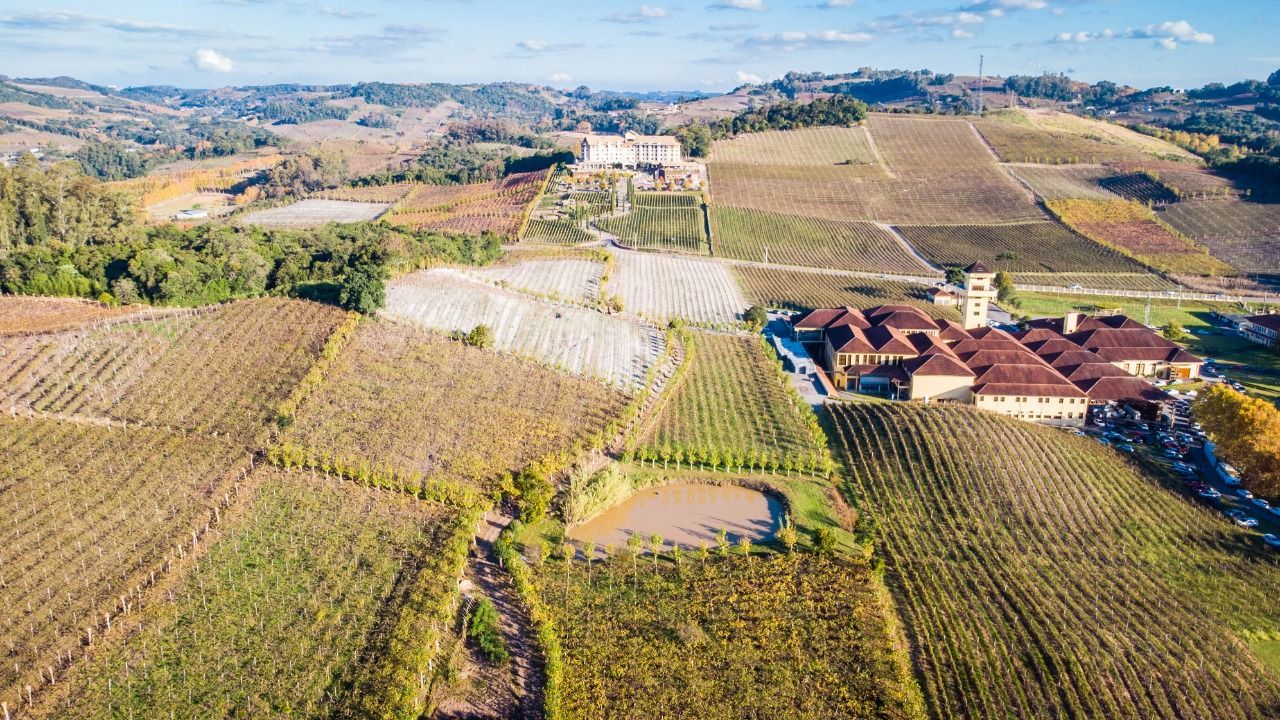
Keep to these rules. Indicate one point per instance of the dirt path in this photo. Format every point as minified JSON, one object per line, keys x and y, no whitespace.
{"x":908,"y":248}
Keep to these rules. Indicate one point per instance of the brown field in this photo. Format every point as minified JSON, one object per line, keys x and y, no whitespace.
{"x":1132,"y":229}
{"x":23,"y":314}
{"x":499,"y":207}
{"x":1244,"y":234}
{"x":1024,"y":247}
{"x":802,"y":290}
{"x":93,"y":517}
{"x":370,"y":193}
{"x":1061,"y":182}
{"x":934,"y":171}
{"x":1017,"y":140}
{"x":418,"y":402}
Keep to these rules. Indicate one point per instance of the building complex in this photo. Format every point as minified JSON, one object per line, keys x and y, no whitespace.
{"x":629,"y":151}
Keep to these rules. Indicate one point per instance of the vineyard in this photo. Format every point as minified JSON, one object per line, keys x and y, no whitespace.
{"x":682,"y":229}
{"x":217,"y":371}
{"x":1139,"y":187}
{"x":1060,"y":182}
{"x":796,"y":240}
{"x":565,"y":279}
{"x":1244,"y":234}
{"x":277,"y":616}
{"x":1027,"y":247}
{"x":1188,"y":181}
{"x":1101,"y":281}
{"x":801,"y":290}
{"x":94,"y":515}
{"x":731,"y":402}
{"x":368,"y":193}
{"x":1040,"y":575}
{"x":1016,"y":139}
{"x":663,"y":287}
{"x":801,"y":148}
{"x":1132,"y":229}
{"x":1118,"y":136}
{"x":797,"y":636}
{"x":23,"y":314}
{"x":419,"y":402}
{"x":933,"y":171}
{"x":556,"y":232}
{"x":312,"y":213}
{"x":159,"y":187}
{"x":499,"y":206}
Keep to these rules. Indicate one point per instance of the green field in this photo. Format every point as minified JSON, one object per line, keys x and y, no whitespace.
{"x":732,"y":402}
{"x":284,"y":615}
{"x":556,"y":232}
{"x":1017,"y":553}
{"x":796,"y":240}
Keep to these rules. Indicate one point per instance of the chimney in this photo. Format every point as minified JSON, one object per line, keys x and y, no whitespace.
{"x":1071,"y":322}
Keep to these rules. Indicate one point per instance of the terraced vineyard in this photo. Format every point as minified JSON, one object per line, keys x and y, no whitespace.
{"x":94,"y":515}
{"x":499,"y":207}
{"x":410,"y":399}
{"x":1060,"y":182}
{"x":300,"y":588}
{"x":801,"y":290}
{"x":221,"y":370}
{"x":556,"y":232}
{"x":1132,"y":229}
{"x":795,"y":240}
{"x":1017,"y":554}
{"x":799,"y":637}
{"x":1244,"y":234}
{"x":668,"y":227}
{"x":1024,"y":247}
{"x":663,"y":287}
{"x":577,"y":340}
{"x":565,"y":279}
{"x":733,"y":401}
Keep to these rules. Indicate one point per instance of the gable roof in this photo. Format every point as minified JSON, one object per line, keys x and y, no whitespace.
{"x":1271,"y":322}
{"x":978,"y":267}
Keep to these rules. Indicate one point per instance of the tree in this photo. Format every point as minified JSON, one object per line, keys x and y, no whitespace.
{"x":533,"y":494}
{"x":955,"y":276}
{"x":1247,"y":432}
{"x":695,"y":139}
{"x":722,"y":541}
{"x":756,"y":317}
{"x":788,"y":536}
{"x":1004,"y":285}
{"x":481,"y":336}
{"x":744,"y":545}
{"x":1173,"y":331}
{"x":824,"y":540}
{"x":1274,"y":79}
{"x":483,"y":630}
{"x":363,"y":284}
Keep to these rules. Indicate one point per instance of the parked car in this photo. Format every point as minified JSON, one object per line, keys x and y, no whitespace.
{"x":1208,"y":492}
{"x":1259,"y":502}
{"x":1244,"y":493}
{"x":1245,"y":521}
{"x":1271,"y":541}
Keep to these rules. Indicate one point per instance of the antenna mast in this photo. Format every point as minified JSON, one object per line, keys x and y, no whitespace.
{"x":980,"y":83}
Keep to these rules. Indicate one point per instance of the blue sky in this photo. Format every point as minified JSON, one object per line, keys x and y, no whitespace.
{"x":711,"y":45}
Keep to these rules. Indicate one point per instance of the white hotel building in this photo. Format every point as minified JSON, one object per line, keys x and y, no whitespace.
{"x":629,"y":151}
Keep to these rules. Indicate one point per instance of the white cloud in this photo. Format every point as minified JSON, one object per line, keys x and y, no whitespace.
{"x":960,"y":33}
{"x":746,"y":77}
{"x":1166,"y":35}
{"x":799,"y":40}
{"x":560,"y":78}
{"x":838,"y":3}
{"x":210,"y":60}
{"x":646,"y":14}
{"x":756,"y":5}
{"x":541,"y":46}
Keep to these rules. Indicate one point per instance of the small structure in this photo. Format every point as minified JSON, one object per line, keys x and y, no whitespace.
{"x":978,"y":294}
{"x":941,"y":296}
{"x":192,"y":214}
{"x":1262,"y":329}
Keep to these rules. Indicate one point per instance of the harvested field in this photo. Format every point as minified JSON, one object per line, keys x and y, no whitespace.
{"x":30,"y":314}
{"x":314,"y":212}
{"x":804,"y":147}
{"x":732,"y":401}
{"x":1102,"y":281}
{"x":219,"y":371}
{"x":1244,"y":234}
{"x":935,"y":171}
{"x":91,"y":512}
{"x":1049,"y":556}
{"x":1132,"y":229}
{"x":580,"y":341}
{"x":499,"y":206}
{"x":556,"y":232}
{"x":663,"y":287}
{"x":1026,"y":247}
{"x":409,"y":398}
{"x":566,"y":279}
{"x":1060,"y":182}
{"x":802,"y":637}
{"x":283,"y":611}
{"x":1110,"y":133}
{"x":795,"y":240}
{"x":682,"y":229}
{"x":801,"y":290}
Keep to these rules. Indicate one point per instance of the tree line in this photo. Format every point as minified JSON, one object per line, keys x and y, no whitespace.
{"x":841,"y":110}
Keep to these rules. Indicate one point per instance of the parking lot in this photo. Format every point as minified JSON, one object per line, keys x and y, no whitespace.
{"x":1180,"y":447}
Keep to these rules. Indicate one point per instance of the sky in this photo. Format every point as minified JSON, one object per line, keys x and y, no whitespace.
{"x":713,"y":45}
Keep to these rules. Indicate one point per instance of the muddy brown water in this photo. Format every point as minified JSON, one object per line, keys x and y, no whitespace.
{"x":686,"y":513}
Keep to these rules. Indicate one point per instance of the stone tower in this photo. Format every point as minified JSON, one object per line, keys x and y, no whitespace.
{"x":979,"y":293}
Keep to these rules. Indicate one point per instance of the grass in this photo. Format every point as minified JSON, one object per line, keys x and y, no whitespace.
{"x":280,"y":613}
{"x":1016,"y":554}
{"x":418,"y":402}
{"x":1189,"y":314}
{"x":797,"y":240}
{"x":1023,"y":247}
{"x":800,"y":290}
{"x":732,"y":401}
{"x":798,"y":636}
{"x":1268,"y":651}
{"x":1141,"y":281}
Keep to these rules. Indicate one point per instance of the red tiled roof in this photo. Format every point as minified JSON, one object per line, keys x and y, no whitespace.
{"x":935,"y":291}
{"x":1090,"y":370}
{"x":1028,"y":390}
{"x":888,"y":340}
{"x":939,"y":364}
{"x":952,"y":331}
{"x":819,"y":318}
{"x":978,"y":267}
{"x":849,"y":339}
{"x":1120,"y":389}
{"x":892,"y":372}
{"x":1271,"y":322}
{"x":902,"y":317}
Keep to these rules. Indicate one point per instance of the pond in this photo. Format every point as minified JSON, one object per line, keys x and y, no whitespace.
{"x":688,"y":514}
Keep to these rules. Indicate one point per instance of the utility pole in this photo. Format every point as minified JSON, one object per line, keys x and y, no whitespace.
{"x":980,"y":83}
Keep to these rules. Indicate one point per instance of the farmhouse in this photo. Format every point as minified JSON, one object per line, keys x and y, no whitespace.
{"x":629,"y":151}
{"x":941,"y":296}
{"x":1039,"y":374}
{"x":1262,"y":329}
